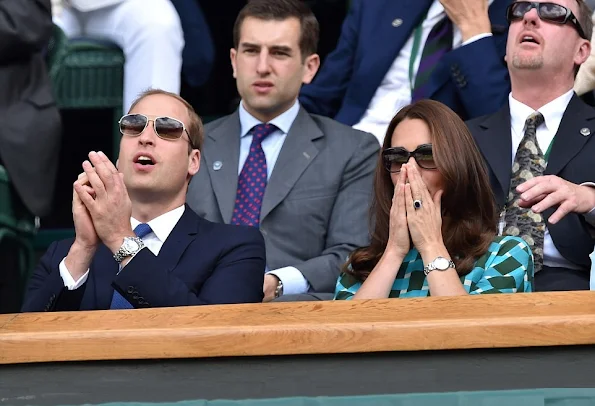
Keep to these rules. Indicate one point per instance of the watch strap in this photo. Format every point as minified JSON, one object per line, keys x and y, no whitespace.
{"x":123,"y":252}
{"x":432,"y":267}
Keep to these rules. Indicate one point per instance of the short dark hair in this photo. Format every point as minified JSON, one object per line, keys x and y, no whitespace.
{"x":195,"y":127}
{"x":281,"y":10}
{"x":585,"y":18}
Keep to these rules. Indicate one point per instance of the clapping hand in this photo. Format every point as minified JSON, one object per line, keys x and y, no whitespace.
{"x":424,"y":217}
{"x":106,"y":200}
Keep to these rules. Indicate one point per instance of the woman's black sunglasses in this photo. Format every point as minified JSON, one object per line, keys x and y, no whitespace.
{"x":550,"y":12}
{"x":394,"y":158}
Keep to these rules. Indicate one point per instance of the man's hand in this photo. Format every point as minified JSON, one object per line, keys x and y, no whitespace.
{"x":270,"y":285}
{"x":543,"y":192}
{"x":471,"y":16}
{"x":111,"y":208}
{"x":85,"y":244}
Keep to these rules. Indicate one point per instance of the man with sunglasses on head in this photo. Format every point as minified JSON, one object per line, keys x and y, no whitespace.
{"x":305,"y":181}
{"x":137,"y":244}
{"x":539,"y":148}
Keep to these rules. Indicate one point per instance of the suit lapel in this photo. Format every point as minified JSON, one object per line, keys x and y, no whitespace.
{"x":297,"y":153}
{"x":221,"y":161}
{"x":569,"y":140}
{"x":178,"y":240}
{"x":494,"y":141}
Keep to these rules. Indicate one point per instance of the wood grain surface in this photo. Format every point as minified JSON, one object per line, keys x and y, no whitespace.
{"x":489,"y":321}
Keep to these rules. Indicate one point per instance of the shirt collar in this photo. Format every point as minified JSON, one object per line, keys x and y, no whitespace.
{"x":164,"y":224}
{"x":283,"y":121}
{"x":552,"y":112}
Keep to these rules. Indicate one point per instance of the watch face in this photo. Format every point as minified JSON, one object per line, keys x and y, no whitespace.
{"x":441,"y":263}
{"x":130,"y":245}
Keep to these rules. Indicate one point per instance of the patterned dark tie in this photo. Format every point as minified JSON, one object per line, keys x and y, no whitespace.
{"x":439,"y":42}
{"x":118,"y":301}
{"x":252,"y":181}
{"x":528,"y":163}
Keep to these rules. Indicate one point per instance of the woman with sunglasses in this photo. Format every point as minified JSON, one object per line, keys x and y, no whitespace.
{"x":434,"y":218}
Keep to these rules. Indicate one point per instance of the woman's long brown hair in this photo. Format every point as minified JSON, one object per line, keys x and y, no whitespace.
{"x":469,"y":214}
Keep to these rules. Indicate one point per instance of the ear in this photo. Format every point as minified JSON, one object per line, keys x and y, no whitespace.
{"x":311,"y":65}
{"x":232,"y":57}
{"x":583,"y":52}
{"x":193,"y":162}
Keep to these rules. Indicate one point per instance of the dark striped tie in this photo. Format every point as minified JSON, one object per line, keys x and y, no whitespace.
{"x":118,"y":301}
{"x":439,"y":42}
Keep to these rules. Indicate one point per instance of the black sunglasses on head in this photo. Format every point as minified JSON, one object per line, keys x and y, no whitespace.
{"x":394,"y":158}
{"x":167,"y":128}
{"x":550,"y":12}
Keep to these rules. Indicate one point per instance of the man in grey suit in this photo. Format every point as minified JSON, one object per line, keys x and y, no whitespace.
{"x":305,"y":180}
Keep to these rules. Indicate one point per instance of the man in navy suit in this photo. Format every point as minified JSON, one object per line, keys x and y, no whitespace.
{"x":555,"y":195}
{"x":393,"y":52}
{"x":137,"y":244}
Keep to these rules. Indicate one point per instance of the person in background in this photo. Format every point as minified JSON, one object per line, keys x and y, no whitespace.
{"x":434,"y":231}
{"x":303,"y":180}
{"x":31,"y":130}
{"x":137,"y":244}
{"x":162,"y":40}
{"x":391,"y":53}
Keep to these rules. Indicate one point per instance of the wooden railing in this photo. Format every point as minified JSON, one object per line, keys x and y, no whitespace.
{"x":489,"y":321}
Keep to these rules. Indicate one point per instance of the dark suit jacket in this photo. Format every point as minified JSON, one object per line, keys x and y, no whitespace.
{"x":315,"y":207}
{"x":198,"y":56}
{"x":30,"y":131}
{"x":571,"y":158}
{"x":472,"y":80}
{"x":199,"y":263}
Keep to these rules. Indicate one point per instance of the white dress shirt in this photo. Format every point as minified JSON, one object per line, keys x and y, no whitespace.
{"x":293,"y":280}
{"x":161,"y":228}
{"x":394,"y":91}
{"x":552,"y":113}
{"x":592,"y":280}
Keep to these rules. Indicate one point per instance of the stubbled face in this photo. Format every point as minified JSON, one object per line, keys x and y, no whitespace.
{"x":534,"y":44}
{"x":170,"y":163}
{"x":409,"y":134}
{"x":268,"y":66}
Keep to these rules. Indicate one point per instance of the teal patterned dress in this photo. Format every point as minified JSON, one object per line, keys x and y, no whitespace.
{"x":507,"y":267}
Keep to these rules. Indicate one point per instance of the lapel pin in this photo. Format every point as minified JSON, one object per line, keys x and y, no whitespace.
{"x":217,"y":165}
{"x":397,"y":22}
{"x":585,"y":132}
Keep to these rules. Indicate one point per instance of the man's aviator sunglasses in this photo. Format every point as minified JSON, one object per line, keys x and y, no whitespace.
{"x":394,"y":158}
{"x":167,"y":128}
{"x":550,"y":12}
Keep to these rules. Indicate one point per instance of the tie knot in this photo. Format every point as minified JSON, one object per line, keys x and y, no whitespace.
{"x":535,"y":120}
{"x":142,"y":230}
{"x":261,"y":131}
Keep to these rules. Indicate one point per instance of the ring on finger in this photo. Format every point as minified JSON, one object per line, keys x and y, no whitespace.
{"x":417,"y":204}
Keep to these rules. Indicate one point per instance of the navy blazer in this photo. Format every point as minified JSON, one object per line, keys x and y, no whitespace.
{"x":198,"y":56}
{"x":571,"y":158}
{"x":472,"y":80}
{"x":200,"y":263}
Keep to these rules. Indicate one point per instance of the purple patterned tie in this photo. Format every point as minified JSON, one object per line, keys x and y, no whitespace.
{"x":252,"y":180}
{"x":439,"y":42}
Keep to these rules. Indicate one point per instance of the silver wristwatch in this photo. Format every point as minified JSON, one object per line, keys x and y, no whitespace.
{"x":129,"y":247}
{"x":439,"y":264}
